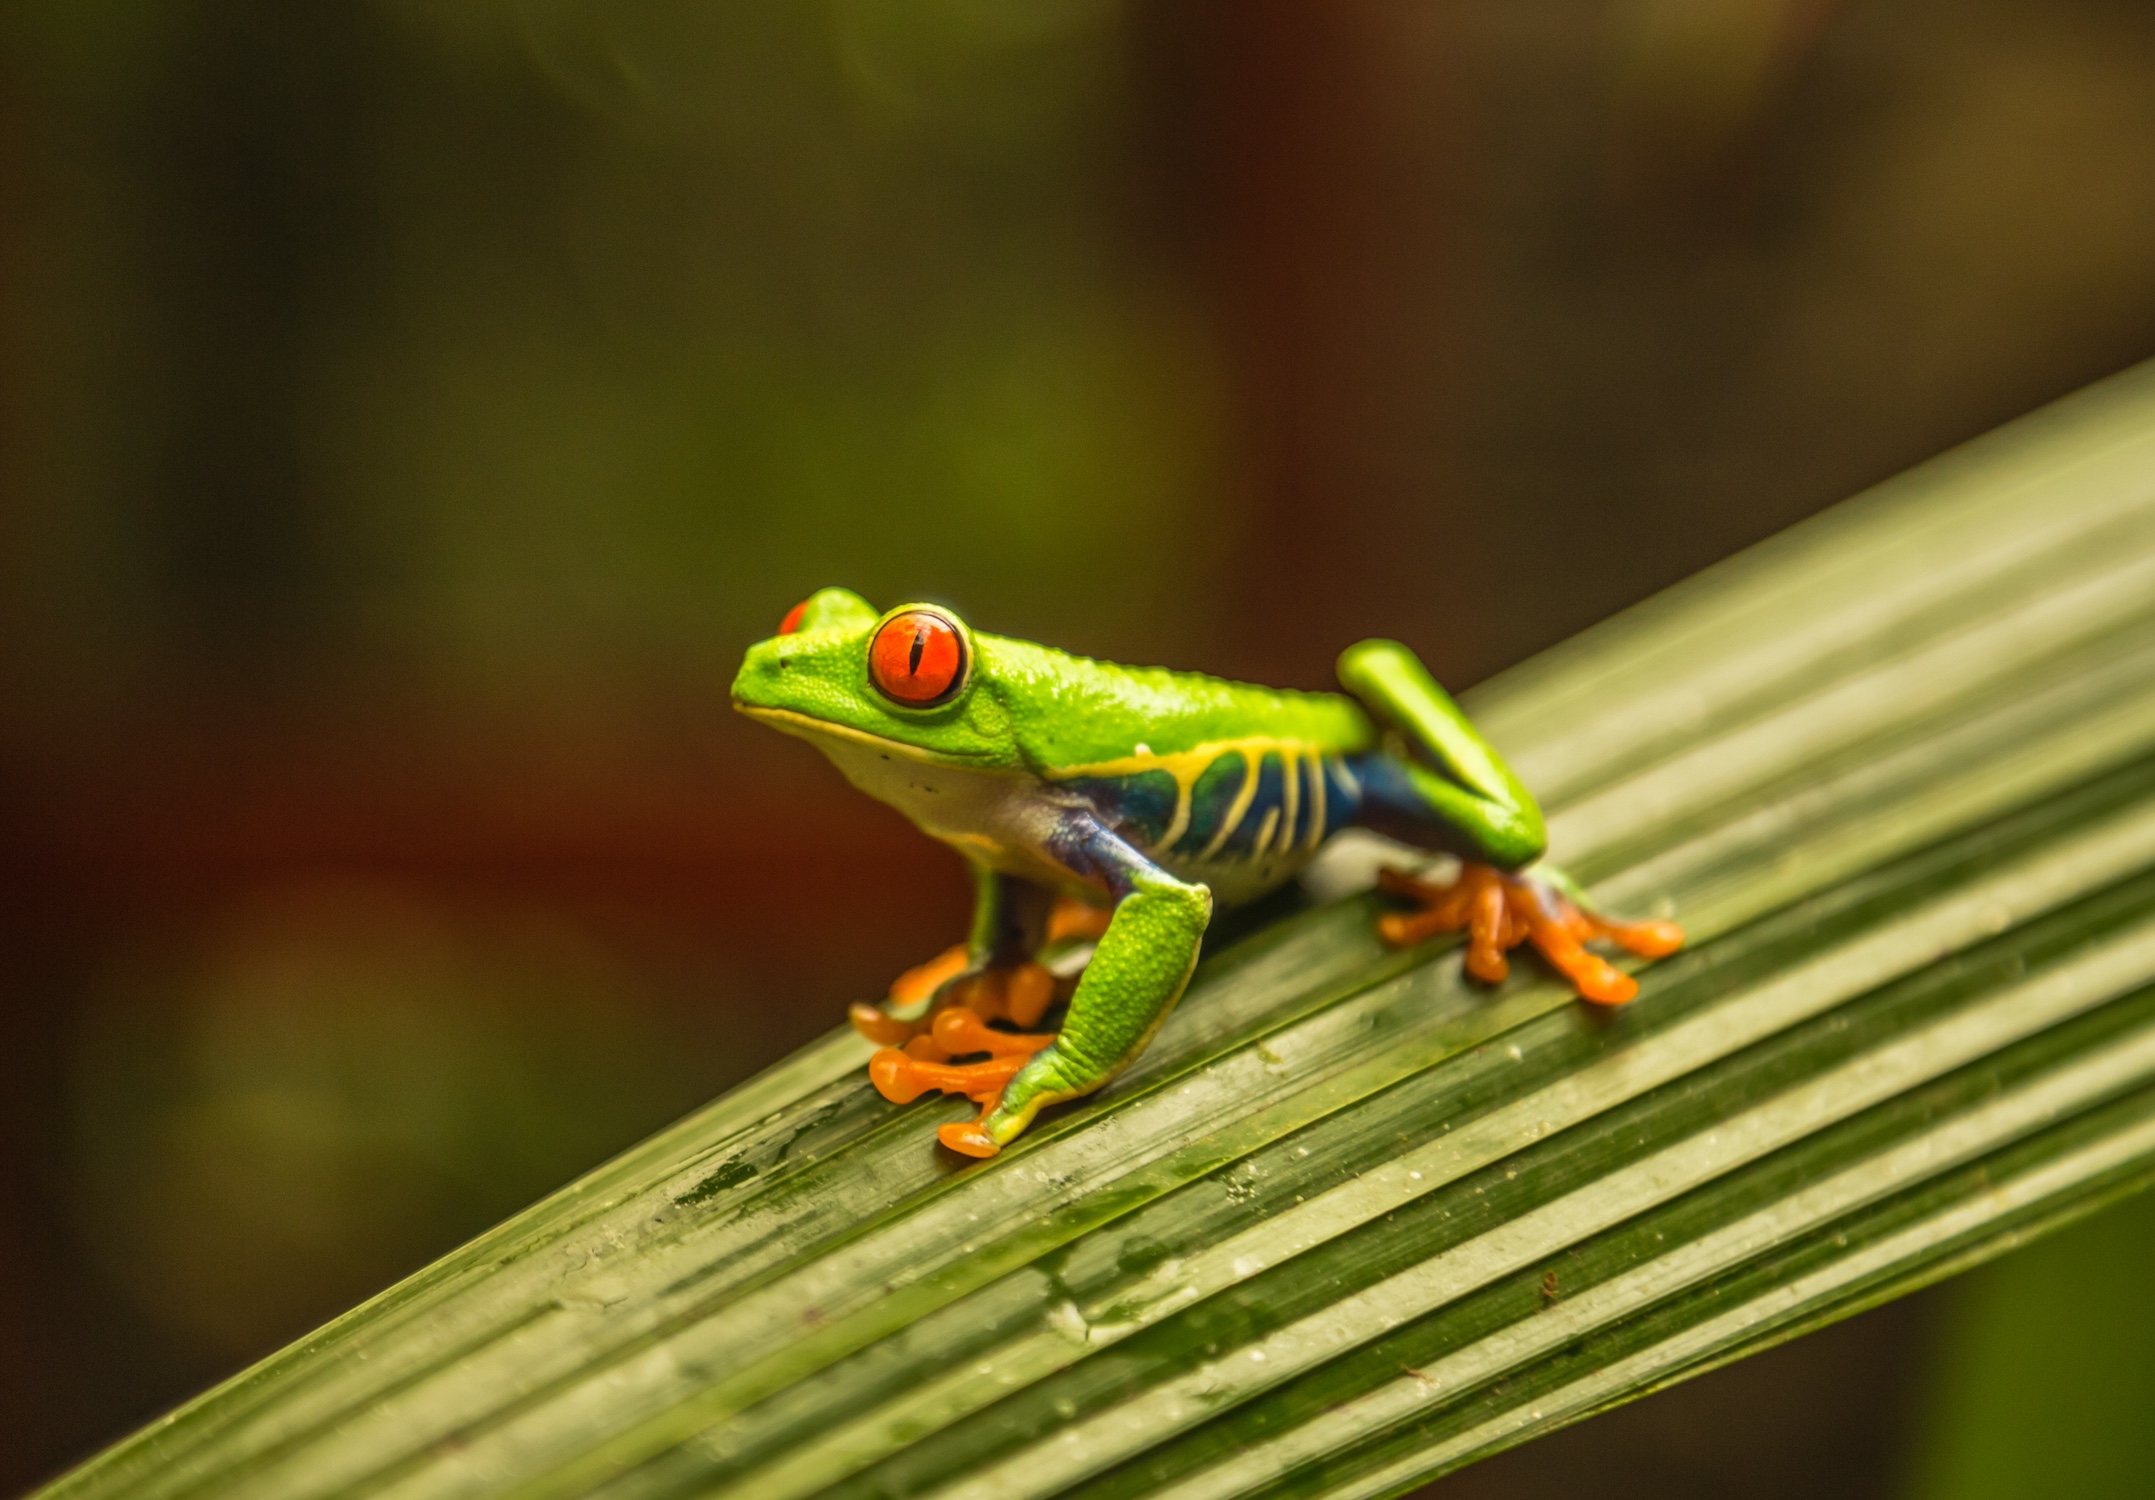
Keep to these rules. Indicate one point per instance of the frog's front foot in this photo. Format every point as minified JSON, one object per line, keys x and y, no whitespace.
{"x":1019,"y":992}
{"x":902,"y":1075}
{"x":903,"y":1014}
{"x":1014,"y":992}
{"x":1501,"y":911}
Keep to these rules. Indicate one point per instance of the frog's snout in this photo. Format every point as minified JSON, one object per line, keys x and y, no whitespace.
{"x":766,"y":674}
{"x":755,"y":669}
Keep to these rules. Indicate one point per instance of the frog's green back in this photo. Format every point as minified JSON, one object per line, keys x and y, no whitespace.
{"x":1069,"y":713}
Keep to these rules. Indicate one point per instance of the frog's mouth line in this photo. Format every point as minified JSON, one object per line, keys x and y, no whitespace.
{"x":793,"y":722}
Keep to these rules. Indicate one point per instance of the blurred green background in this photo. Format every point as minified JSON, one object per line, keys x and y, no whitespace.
{"x":408,"y":412}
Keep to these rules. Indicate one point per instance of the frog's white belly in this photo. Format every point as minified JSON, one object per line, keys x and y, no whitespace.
{"x":1006,"y":820}
{"x":1002,"y":819}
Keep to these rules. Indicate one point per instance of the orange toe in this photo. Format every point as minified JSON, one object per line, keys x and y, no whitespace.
{"x":959,"y":1031}
{"x":1488,"y":965}
{"x":880,"y":1026}
{"x":1404,"y":929}
{"x":910,"y":991}
{"x":923,"y":980}
{"x":1647,"y":939}
{"x":893,"y":1075}
{"x":1488,"y":932}
{"x":901,"y":1078}
{"x":986,"y":993}
{"x":1556,"y":928}
{"x":1029,"y":993}
{"x":1600,"y":981}
{"x":968,"y":1139}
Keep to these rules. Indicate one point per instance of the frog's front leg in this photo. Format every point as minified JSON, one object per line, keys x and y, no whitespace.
{"x":1137,"y":972}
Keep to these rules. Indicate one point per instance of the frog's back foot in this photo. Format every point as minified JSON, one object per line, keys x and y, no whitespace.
{"x":1500,"y":911}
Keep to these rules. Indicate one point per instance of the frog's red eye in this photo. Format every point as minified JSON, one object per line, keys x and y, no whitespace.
{"x":918,"y":658}
{"x":792,"y":621}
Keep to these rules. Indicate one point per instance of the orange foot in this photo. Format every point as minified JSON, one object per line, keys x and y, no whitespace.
{"x":1018,"y":992}
{"x":903,"y":1075}
{"x":1501,"y":911}
{"x":885,"y":1024}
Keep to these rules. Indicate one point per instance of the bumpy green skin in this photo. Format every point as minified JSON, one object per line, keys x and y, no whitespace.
{"x":1138,"y":787}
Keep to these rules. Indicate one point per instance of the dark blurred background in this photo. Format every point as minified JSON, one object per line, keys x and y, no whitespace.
{"x":408,"y":412}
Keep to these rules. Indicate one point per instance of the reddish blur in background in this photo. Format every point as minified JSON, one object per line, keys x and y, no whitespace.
{"x":408,"y":412}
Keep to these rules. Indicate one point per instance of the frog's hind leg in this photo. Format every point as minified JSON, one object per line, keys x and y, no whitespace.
{"x":1456,"y":795}
{"x":1467,"y":802}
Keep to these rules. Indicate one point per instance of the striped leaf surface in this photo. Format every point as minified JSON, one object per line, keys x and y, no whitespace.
{"x":1354,"y":1220}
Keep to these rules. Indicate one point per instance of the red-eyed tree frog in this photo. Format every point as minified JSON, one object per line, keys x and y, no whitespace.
{"x":1120,"y":803}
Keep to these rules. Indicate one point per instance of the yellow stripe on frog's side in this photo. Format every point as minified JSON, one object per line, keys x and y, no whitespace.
{"x":1290,"y":803}
{"x":1186,"y":767}
{"x":1237,"y":810}
{"x":1317,"y":804}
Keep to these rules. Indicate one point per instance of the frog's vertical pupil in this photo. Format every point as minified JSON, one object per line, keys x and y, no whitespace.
{"x":917,"y":658}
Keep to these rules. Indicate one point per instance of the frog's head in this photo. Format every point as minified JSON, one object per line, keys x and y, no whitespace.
{"x":910,"y":677}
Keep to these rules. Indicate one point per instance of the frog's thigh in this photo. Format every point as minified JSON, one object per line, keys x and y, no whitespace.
{"x":1137,"y":973}
{"x":1477,"y":807}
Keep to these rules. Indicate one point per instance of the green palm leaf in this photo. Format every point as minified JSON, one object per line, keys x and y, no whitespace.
{"x":1353,"y":1220}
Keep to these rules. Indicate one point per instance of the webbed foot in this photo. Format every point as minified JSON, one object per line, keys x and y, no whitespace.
{"x":903,"y":1075}
{"x":1501,"y":911}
